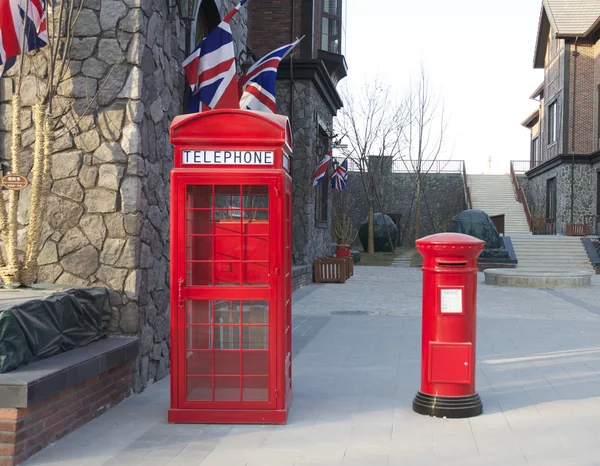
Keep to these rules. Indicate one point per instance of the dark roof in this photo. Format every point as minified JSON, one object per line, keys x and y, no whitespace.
{"x":566,"y":18}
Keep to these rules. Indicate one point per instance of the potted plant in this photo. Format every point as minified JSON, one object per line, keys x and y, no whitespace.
{"x":345,"y":234}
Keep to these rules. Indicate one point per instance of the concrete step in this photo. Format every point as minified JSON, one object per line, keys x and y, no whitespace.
{"x":494,"y":195}
{"x":551,"y":252}
{"x":553,"y":259}
{"x":573,"y":255}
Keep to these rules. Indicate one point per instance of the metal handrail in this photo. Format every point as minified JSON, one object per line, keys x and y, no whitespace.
{"x":520,"y":195}
{"x":428,"y":166}
{"x":408,"y":166}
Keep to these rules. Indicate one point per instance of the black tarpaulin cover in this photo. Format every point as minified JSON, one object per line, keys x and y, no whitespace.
{"x":380,"y":232}
{"x":41,"y":327}
{"x":478,"y":224}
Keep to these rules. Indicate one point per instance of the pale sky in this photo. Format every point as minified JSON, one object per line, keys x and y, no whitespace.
{"x":478,"y":53}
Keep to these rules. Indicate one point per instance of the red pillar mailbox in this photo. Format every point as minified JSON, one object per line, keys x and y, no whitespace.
{"x":449,"y":326}
{"x":231,"y":268}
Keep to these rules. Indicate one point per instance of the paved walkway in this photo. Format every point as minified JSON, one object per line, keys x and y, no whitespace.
{"x":403,"y":258}
{"x":356,"y":370}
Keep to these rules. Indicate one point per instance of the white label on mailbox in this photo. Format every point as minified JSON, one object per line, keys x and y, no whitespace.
{"x":451,"y":301}
{"x":227,"y":157}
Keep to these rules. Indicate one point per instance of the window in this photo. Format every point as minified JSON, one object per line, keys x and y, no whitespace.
{"x":535,"y":151}
{"x":331,"y":26}
{"x":206,"y":19}
{"x":227,"y":235}
{"x":552,"y":123}
{"x":322,"y":189}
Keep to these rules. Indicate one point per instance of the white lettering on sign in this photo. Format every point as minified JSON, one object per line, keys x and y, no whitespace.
{"x":451,"y":301}
{"x":227,"y":157}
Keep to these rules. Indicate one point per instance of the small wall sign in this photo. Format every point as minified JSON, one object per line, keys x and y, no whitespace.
{"x":227,"y":157}
{"x":14,"y":182}
{"x":451,"y":301}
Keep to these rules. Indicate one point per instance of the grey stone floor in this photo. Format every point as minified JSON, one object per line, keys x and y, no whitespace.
{"x":538,"y":373}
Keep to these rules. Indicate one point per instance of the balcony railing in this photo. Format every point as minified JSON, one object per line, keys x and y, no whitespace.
{"x":523,"y":166}
{"x":520,"y":166}
{"x":544,"y":226}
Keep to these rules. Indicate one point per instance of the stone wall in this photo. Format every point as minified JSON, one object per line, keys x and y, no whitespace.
{"x":107,"y":218}
{"x":309,"y":240}
{"x":584,"y":200}
{"x":161,"y":91}
{"x":442,"y":198}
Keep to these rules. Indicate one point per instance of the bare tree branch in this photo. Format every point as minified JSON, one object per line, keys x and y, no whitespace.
{"x":374,"y":124}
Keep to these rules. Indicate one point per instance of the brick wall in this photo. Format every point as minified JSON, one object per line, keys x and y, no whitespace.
{"x":25,"y":431}
{"x":582,"y":93}
{"x":269,"y":25}
{"x":596,"y":96}
{"x":301,"y":276}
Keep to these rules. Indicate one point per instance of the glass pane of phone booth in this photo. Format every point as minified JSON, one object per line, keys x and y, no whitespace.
{"x":227,"y":350}
{"x":227,"y":235}
{"x":227,"y":342}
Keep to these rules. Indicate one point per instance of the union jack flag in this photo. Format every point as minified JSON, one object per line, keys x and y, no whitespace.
{"x":321,"y":169}
{"x":339,"y":177}
{"x":15,"y":26}
{"x":257,"y":84}
{"x":211,"y":69}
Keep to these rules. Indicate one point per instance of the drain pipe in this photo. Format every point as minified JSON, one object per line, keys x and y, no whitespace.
{"x":575,"y":55}
{"x":292,"y":80}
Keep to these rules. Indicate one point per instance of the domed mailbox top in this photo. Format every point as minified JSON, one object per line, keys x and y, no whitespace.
{"x":450,"y":245}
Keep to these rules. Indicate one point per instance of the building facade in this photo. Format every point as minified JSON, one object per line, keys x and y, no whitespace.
{"x":306,"y":93}
{"x":562,"y":181}
{"x":107,"y":217}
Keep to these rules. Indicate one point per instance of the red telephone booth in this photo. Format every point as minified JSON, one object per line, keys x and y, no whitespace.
{"x":231,"y":359}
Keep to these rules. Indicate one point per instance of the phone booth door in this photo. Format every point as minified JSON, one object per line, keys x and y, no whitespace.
{"x":228,"y":309}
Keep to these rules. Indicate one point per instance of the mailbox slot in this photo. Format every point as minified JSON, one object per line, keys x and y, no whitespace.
{"x":452,"y":263}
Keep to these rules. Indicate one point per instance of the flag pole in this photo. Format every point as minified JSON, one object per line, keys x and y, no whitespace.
{"x":233,"y":12}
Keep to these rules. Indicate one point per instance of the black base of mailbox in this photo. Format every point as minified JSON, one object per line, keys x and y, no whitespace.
{"x":445,"y":406}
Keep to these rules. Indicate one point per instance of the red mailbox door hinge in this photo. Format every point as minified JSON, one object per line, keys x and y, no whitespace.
{"x":276,"y":393}
{"x":277,"y":192}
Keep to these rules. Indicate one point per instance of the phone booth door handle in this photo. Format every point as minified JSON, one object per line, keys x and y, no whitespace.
{"x":180,"y":297}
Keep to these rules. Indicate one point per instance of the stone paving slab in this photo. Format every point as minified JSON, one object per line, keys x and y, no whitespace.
{"x":355,"y":374}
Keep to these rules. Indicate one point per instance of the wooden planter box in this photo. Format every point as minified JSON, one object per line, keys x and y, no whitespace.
{"x":349,"y":266}
{"x":331,"y":270}
{"x":577,"y":229}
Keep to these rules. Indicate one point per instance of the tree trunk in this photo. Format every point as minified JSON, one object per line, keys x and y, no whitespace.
{"x":371,"y":242}
{"x":418,"y":208}
{"x":36,"y":207}
{"x":10,"y":275}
